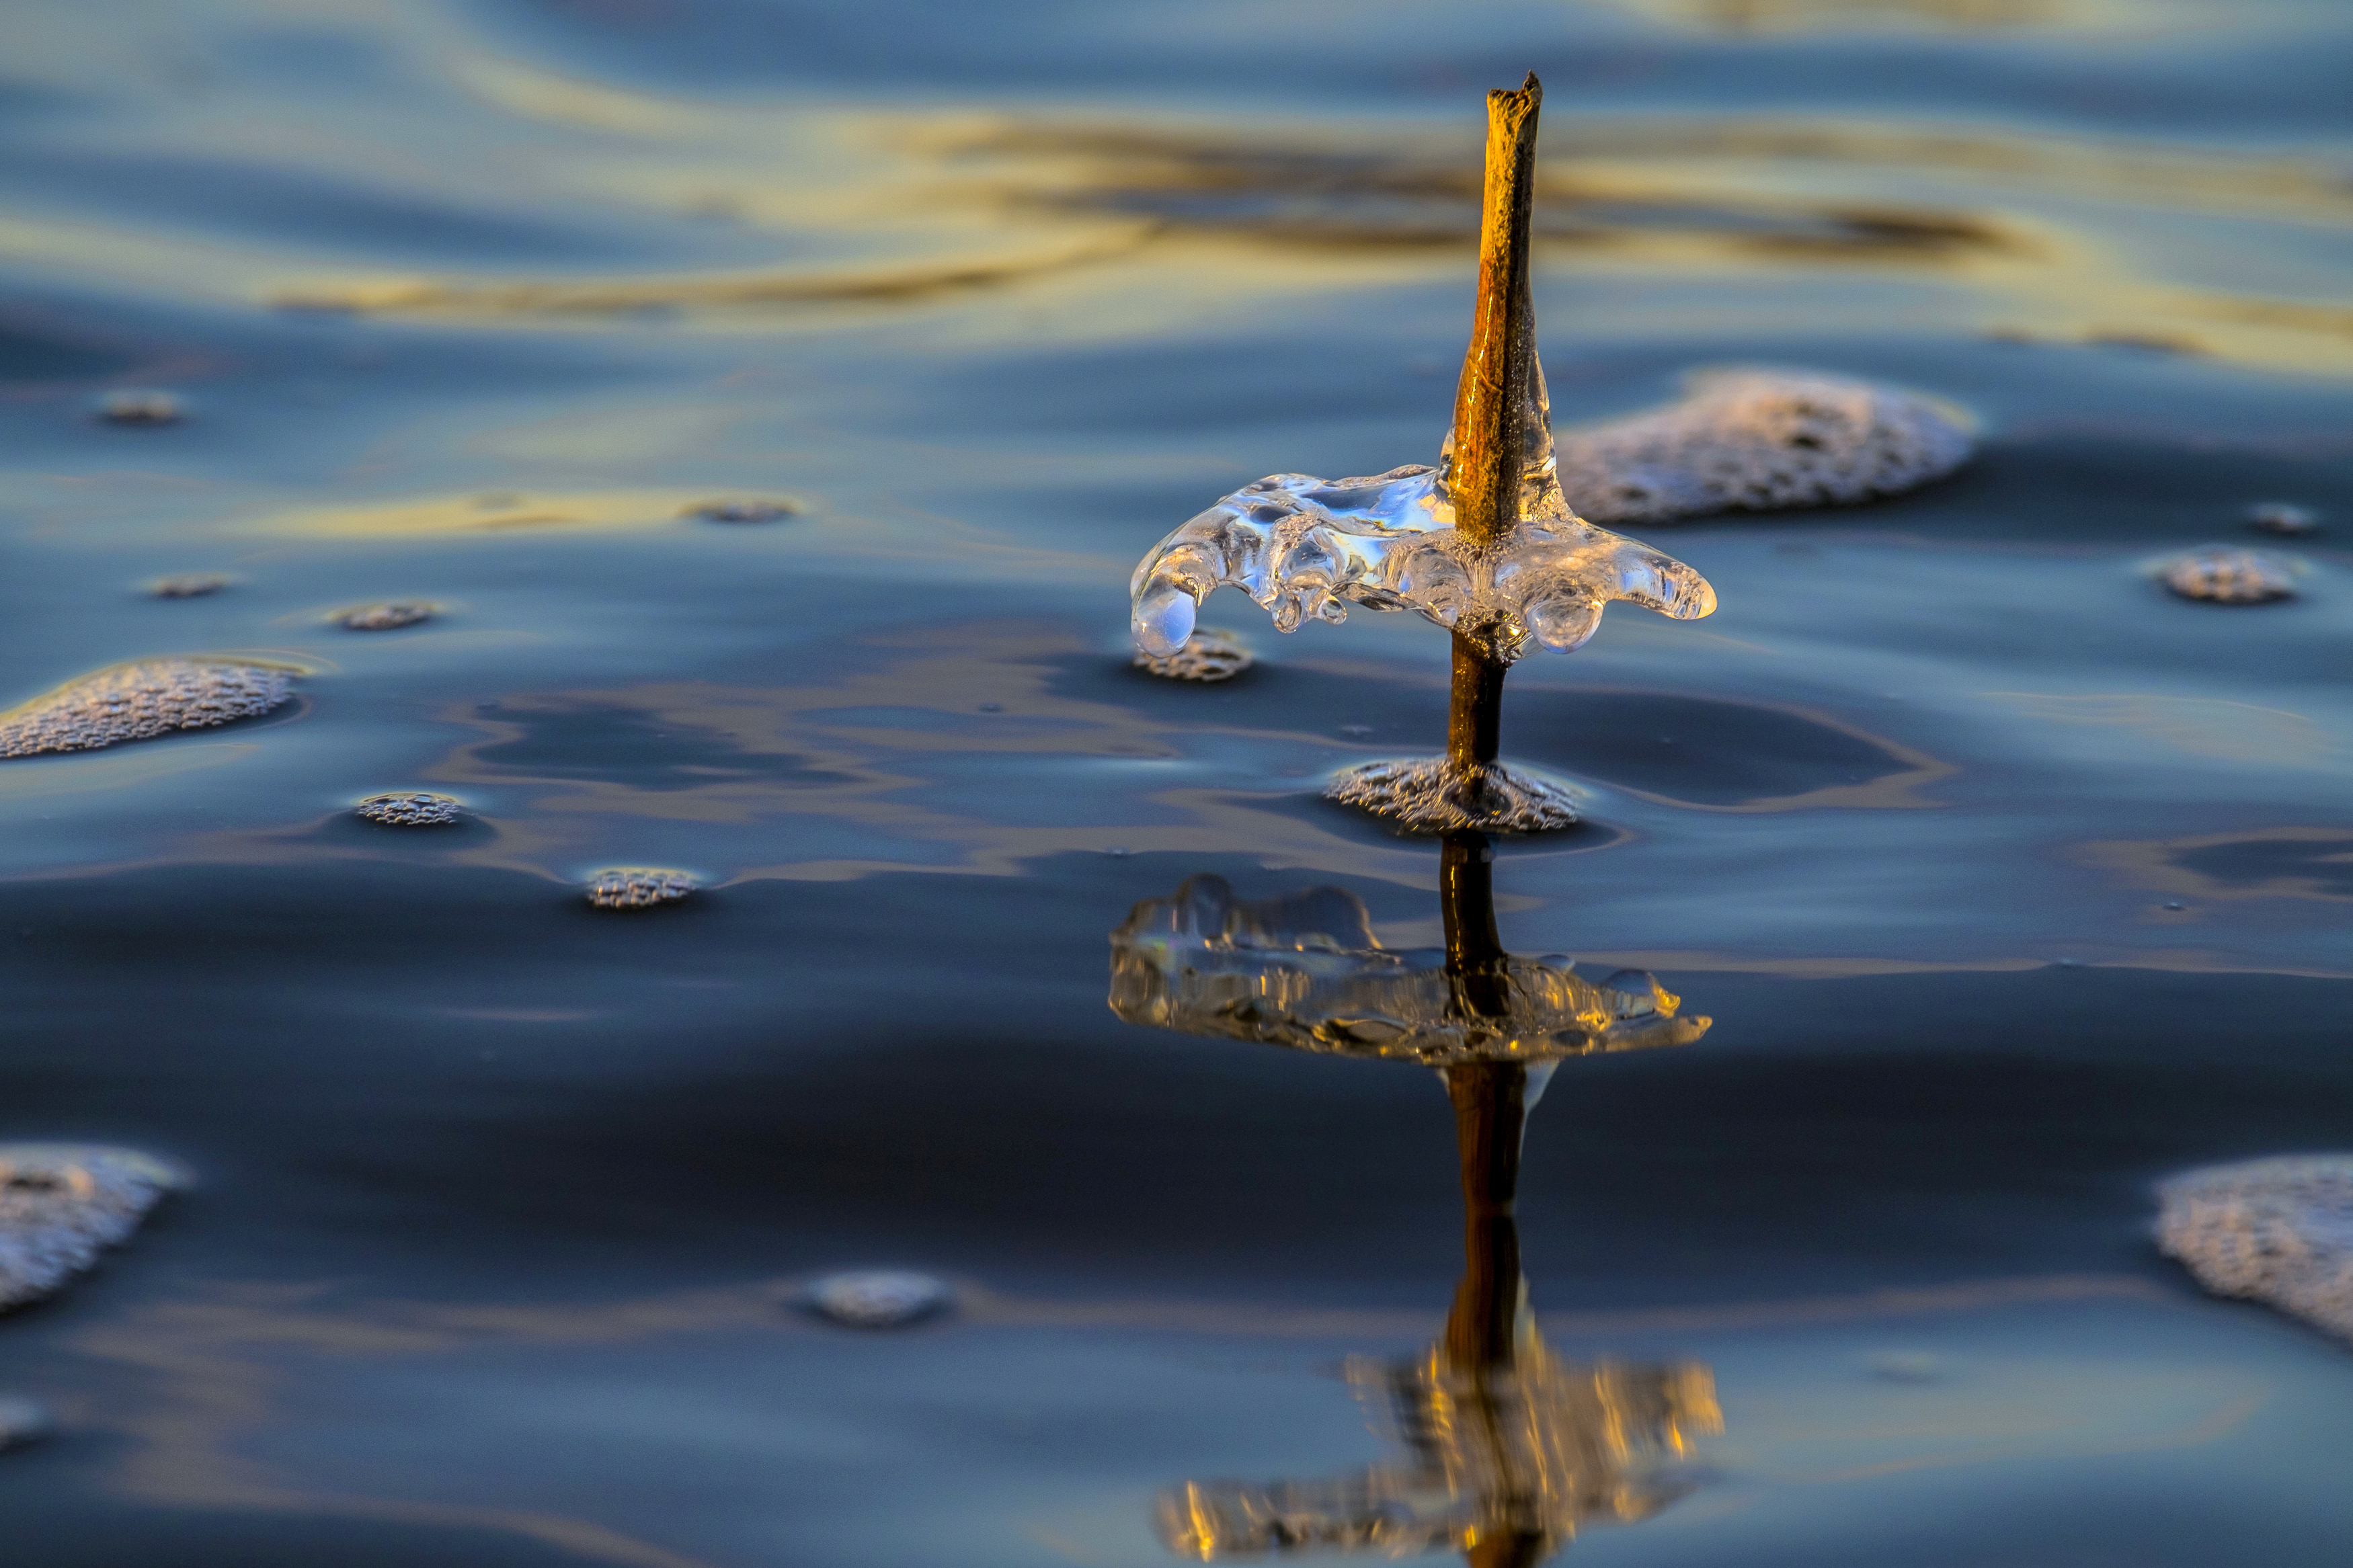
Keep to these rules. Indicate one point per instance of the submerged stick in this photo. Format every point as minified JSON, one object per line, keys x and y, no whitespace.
{"x":1492,"y":401}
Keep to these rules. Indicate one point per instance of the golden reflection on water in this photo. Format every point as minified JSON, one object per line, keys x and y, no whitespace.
{"x":1505,"y":1449}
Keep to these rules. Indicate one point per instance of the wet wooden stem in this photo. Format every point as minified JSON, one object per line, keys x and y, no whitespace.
{"x":1490,"y":404}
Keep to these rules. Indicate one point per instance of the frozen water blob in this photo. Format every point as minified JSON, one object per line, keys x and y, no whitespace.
{"x":2277,"y":1231}
{"x":1761,"y":440}
{"x":388,"y":617}
{"x":2223,"y":575}
{"x":414,"y":809}
{"x":878,"y":1298}
{"x":62,"y":1205}
{"x":140,"y":701}
{"x":639,"y":888}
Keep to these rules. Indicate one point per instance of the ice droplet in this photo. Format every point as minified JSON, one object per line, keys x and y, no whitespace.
{"x":388,"y":617}
{"x":412,"y":810}
{"x":140,"y":701}
{"x":1761,"y":440}
{"x":1425,"y":795}
{"x":1213,"y":655}
{"x":2224,"y":574}
{"x":639,"y":888}
{"x":878,"y":1298}
{"x":2278,"y":1231}
{"x":1162,"y":617}
{"x":1305,"y":970}
{"x":62,"y":1205}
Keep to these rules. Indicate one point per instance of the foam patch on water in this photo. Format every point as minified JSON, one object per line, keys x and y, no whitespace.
{"x":141,"y":406}
{"x":1305,"y":971}
{"x":2277,"y":1231}
{"x":1761,"y":440}
{"x":389,"y":617}
{"x":413,"y":809}
{"x":2225,"y":574}
{"x":140,"y":701}
{"x":62,"y":1205}
{"x":1213,"y":655}
{"x":1425,"y":795}
{"x":639,"y":888}
{"x":188,"y":585}
{"x":878,"y":1298}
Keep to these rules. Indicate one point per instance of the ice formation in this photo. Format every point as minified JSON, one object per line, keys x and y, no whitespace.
{"x":1539,"y":1448}
{"x":140,"y":701}
{"x":188,"y":586}
{"x":639,"y":888}
{"x":1212,"y":655}
{"x":1306,"y":549}
{"x":414,"y":809}
{"x":62,"y":1205}
{"x":1429,"y":796}
{"x":2224,"y":574}
{"x":878,"y":1298}
{"x":385,"y":617}
{"x":2278,"y":1231}
{"x":1761,"y":440}
{"x":1305,"y":971}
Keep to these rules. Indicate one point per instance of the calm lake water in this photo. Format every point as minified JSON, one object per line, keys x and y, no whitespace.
{"x":2010,"y":884}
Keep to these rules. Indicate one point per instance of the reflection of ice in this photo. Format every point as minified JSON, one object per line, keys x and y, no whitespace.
{"x":1306,"y":549}
{"x":2276,"y":1231}
{"x":1532,"y":1450}
{"x":1760,"y":440}
{"x":1305,"y":971}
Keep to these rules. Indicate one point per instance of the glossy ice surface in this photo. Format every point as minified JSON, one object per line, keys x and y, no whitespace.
{"x":1308,"y":549}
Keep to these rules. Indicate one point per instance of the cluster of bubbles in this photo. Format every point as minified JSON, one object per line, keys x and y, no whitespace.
{"x":1761,"y":440}
{"x":139,"y":701}
{"x":639,"y":888}
{"x":2278,"y":1231}
{"x":62,"y":1205}
{"x":388,"y":617}
{"x":414,"y":809}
